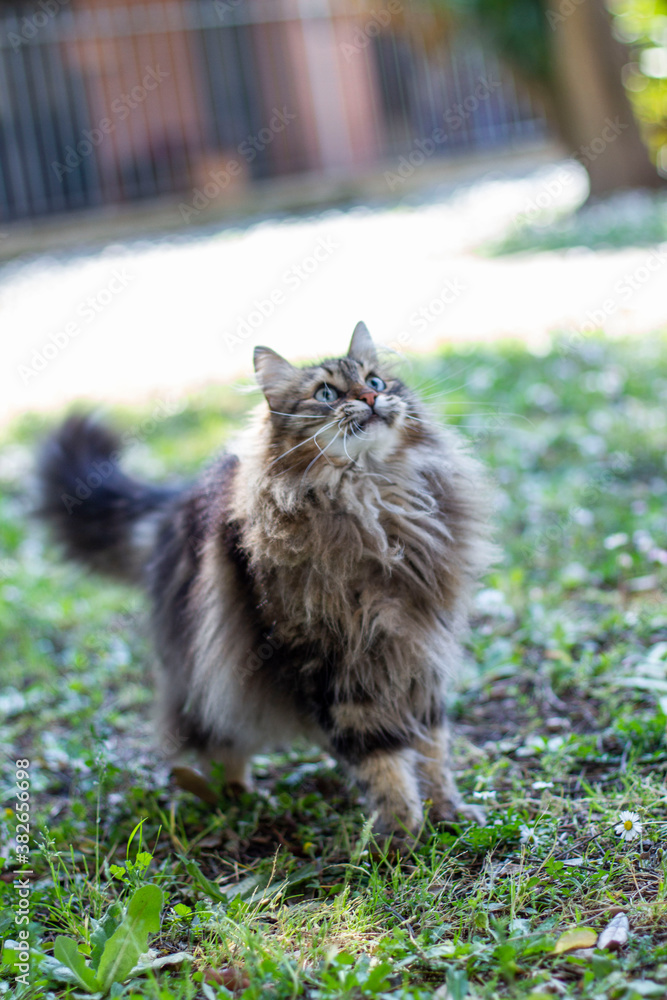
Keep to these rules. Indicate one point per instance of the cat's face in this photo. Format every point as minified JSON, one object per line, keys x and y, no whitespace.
{"x":340,"y":410}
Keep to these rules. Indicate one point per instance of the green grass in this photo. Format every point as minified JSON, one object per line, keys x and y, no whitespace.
{"x":560,"y":725}
{"x":634,"y":219}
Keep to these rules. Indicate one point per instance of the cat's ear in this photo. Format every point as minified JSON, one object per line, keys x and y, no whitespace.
{"x":273,"y":372}
{"x":362,"y":347}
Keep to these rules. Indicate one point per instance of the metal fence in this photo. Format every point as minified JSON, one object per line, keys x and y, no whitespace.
{"x":101,"y":105}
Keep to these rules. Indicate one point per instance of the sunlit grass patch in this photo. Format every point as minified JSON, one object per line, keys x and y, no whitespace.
{"x":636,"y":218}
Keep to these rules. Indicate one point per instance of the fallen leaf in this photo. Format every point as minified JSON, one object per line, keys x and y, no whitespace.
{"x":227,"y":975}
{"x":580,"y":937}
{"x":152,"y":960}
{"x":212,"y":841}
{"x":615,"y":934}
{"x":191,"y":781}
{"x":646,"y":988}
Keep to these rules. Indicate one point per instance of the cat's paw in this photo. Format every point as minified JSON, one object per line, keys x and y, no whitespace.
{"x":194,"y":782}
{"x":448,"y":811}
{"x":235,"y":789}
{"x":405,"y":825}
{"x":390,"y":847}
{"x":474,"y":813}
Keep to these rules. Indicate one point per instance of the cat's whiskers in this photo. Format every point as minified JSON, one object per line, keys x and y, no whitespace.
{"x":301,"y":443}
{"x":314,"y":439}
{"x":493,"y":413}
{"x":352,"y":460}
{"x":444,"y":379}
{"x":359,"y":427}
{"x":297,"y":416}
{"x":321,"y":452}
{"x":483,"y":407}
{"x":438,"y":393}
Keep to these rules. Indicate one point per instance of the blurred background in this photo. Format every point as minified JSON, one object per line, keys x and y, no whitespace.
{"x":182,"y":180}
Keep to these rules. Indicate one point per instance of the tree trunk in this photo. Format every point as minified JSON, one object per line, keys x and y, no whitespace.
{"x":590,"y":105}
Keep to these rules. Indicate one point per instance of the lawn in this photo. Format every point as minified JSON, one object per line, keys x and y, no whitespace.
{"x":559,"y":727}
{"x":631,"y":218}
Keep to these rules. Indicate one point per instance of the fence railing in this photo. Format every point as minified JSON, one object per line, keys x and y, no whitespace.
{"x":101,"y":105}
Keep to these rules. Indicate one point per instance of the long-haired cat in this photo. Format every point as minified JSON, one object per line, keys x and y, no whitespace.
{"x":313,"y":583}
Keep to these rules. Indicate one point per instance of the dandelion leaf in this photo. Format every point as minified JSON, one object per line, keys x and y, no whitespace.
{"x":130,"y":939}
{"x":68,"y":954}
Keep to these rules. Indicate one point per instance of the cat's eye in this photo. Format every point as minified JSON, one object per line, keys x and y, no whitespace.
{"x":376,"y":383}
{"x":326,"y":394}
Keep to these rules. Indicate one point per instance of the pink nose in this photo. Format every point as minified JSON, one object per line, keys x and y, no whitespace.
{"x":368,"y":396}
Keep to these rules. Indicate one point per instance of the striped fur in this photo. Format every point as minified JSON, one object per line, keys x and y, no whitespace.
{"x":314,"y":583}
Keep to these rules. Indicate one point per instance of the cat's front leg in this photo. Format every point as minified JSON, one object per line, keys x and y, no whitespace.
{"x":388,"y":779}
{"x":378,"y":756}
{"x":437,"y":779}
{"x":237,"y":766}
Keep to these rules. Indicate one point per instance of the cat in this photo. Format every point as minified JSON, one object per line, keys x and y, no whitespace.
{"x":315,"y":582}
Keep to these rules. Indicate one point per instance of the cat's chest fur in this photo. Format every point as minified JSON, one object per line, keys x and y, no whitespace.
{"x":357,"y":558}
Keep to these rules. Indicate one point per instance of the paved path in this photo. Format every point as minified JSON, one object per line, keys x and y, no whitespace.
{"x":170,"y":314}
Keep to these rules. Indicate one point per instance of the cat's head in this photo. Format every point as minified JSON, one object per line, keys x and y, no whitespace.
{"x":341,"y":409}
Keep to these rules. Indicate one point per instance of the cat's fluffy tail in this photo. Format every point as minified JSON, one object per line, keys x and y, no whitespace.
{"x":100,"y":516}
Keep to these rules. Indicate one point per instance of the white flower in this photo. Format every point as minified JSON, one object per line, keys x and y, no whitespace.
{"x":484,"y":795}
{"x":529,"y":836}
{"x":615,"y":541}
{"x":539,"y":785}
{"x":629,"y":827}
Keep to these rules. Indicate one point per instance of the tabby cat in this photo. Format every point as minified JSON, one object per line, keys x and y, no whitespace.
{"x":315,"y":582}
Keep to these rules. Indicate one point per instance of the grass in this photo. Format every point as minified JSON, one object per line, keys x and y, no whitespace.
{"x":635,"y":218}
{"x":560,"y":725}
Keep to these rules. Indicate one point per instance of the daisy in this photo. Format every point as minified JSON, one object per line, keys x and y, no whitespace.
{"x":529,"y":836}
{"x":629,"y":827}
